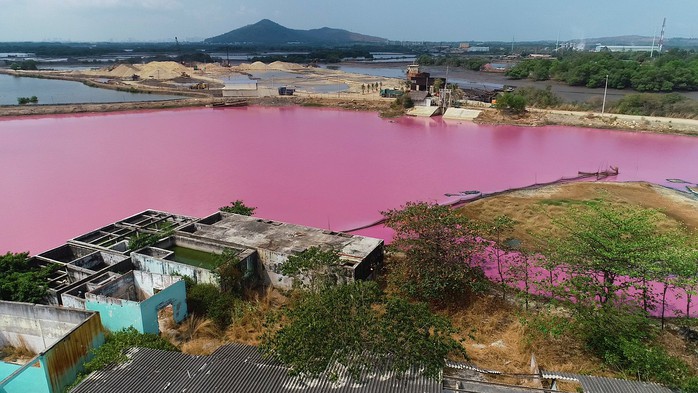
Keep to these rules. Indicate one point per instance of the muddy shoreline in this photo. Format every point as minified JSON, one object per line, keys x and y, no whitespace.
{"x":347,"y":101}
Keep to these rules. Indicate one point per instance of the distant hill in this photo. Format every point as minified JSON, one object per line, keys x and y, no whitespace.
{"x":268,"y":32}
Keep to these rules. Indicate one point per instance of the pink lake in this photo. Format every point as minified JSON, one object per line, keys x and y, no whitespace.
{"x":61,"y":176}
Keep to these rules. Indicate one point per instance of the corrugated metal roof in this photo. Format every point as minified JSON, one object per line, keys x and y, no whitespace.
{"x":592,"y":384}
{"x":234,"y":368}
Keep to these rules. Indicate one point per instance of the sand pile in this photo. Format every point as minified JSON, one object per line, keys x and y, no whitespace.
{"x":154,"y":69}
{"x":163,"y":70}
{"x":284,"y":66}
{"x":277,"y":65}
{"x":256,"y":66}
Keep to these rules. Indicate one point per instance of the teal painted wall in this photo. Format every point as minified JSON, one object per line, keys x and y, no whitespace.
{"x":117,"y":314}
{"x":31,"y":380}
{"x":120,"y":314}
{"x":176,"y":295}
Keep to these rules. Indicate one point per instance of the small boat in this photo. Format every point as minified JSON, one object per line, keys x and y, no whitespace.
{"x":693,"y":189}
{"x":612,"y":171}
{"x":227,"y":104}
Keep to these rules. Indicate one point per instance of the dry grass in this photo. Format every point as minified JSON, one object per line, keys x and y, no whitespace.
{"x":249,"y":317}
{"x":534,"y":210}
{"x":676,"y":345}
{"x":201,"y":346}
{"x":497,"y":339}
{"x":17,"y":354}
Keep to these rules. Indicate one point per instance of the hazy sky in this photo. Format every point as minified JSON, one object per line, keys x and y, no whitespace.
{"x":433,"y":20}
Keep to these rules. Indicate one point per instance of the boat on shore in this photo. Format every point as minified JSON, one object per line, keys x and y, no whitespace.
{"x":228,"y":104}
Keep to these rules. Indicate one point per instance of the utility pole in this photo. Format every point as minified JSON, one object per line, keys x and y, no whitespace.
{"x":605,"y":89}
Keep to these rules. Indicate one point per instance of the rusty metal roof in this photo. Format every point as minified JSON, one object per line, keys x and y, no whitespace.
{"x":233,"y":368}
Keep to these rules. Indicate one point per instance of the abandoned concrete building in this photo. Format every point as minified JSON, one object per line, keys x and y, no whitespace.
{"x":97,"y":270}
{"x":105,"y":284}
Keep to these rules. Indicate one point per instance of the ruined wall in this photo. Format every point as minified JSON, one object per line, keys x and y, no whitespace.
{"x":163,"y":266}
{"x":38,"y":326}
{"x":269,"y":268}
{"x":156,"y":292}
{"x":62,"y":337}
{"x":176,"y":295}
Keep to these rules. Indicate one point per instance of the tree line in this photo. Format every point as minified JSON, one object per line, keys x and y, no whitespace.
{"x":675,"y":70}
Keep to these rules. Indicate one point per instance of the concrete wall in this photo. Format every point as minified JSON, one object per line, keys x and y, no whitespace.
{"x":155,"y":292}
{"x":270,"y":265}
{"x":167,"y":267}
{"x":117,"y":314}
{"x":176,"y":295}
{"x":37,"y":325}
{"x":62,"y":337}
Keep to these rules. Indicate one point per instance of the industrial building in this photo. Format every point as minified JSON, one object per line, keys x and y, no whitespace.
{"x":420,"y":80}
{"x":625,"y":48}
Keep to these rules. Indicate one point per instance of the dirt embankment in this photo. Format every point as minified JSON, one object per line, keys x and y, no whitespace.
{"x":534,"y":210}
{"x":542,"y":117}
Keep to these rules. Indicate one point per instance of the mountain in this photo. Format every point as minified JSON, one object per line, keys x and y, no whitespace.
{"x":268,"y":32}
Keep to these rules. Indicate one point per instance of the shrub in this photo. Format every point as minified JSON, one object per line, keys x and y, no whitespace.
{"x":622,"y":340}
{"x":511,"y":102}
{"x":208,"y":301}
{"x":27,"y":100}
{"x":112,"y":350}
{"x":238,"y":207}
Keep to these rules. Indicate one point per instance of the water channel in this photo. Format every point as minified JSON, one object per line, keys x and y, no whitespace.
{"x":54,"y":91}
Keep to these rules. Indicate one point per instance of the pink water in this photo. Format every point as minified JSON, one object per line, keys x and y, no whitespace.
{"x":61,"y":176}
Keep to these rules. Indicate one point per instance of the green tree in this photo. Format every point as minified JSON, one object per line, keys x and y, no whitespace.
{"x":438,"y":84}
{"x":238,"y":207}
{"x":606,"y":249}
{"x":22,"y":282}
{"x":435,"y":246}
{"x":315,"y":268}
{"x":511,"y":102}
{"x":356,"y":326}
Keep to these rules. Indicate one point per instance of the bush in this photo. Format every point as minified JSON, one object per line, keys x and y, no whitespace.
{"x":622,"y":340}
{"x":238,"y":207}
{"x":671,"y":105}
{"x":539,"y":98}
{"x":112,"y":350}
{"x":208,"y":301}
{"x":511,"y":102}
{"x":27,"y":100}
{"x":24,"y":65}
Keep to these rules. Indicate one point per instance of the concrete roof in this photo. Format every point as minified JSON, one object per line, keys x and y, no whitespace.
{"x":233,"y":368}
{"x":281,"y":237}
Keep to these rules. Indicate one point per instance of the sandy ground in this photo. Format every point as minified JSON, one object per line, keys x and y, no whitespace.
{"x":534,"y":209}
{"x":314,"y":87}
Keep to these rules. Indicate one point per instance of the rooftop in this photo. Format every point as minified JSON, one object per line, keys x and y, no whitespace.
{"x":279,"y":237}
{"x":233,"y":368}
